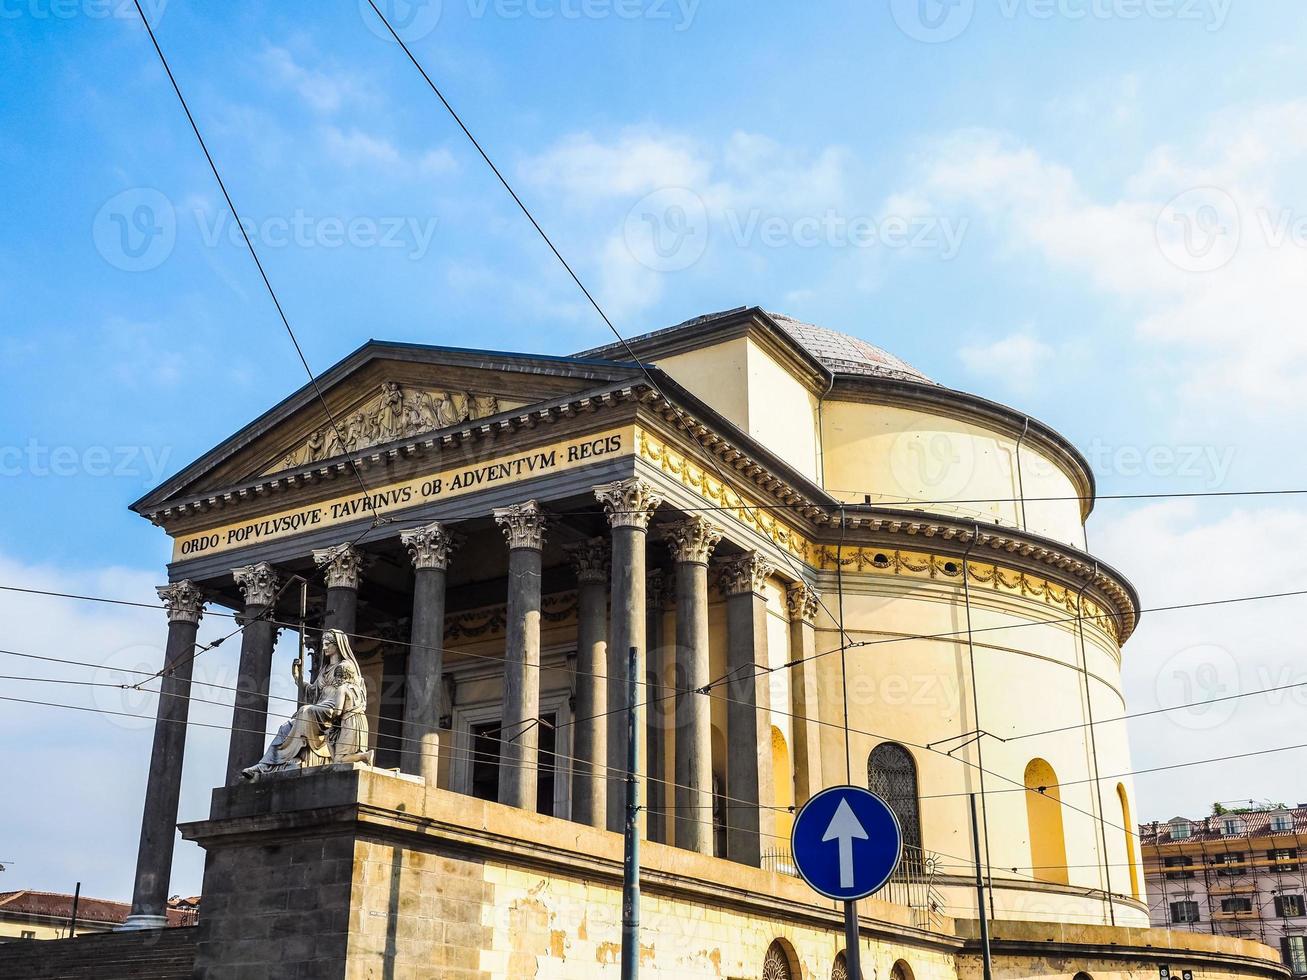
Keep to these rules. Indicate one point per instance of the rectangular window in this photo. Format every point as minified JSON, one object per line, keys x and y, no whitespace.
{"x":1294,"y":951}
{"x":485,"y":763}
{"x":1287,"y":906}
{"x":1229,"y":864}
{"x":1183,"y":866}
{"x":1281,"y":823}
{"x":1180,"y":831}
{"x":28,"y":934}
{"x":1237,"y":903}
{"x":1233,"y":826}
{"x":1184,"y":911}
{"x":1283,"y":858}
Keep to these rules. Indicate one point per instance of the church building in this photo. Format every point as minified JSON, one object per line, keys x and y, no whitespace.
{"x":832,"y":569}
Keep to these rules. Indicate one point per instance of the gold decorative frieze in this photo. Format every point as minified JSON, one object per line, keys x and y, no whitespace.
{"x":489,"y":621}
{"x":880,"y":560}
{"x":395,"y":412}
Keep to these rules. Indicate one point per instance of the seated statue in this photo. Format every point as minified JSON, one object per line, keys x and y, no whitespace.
{"x":332,"y":723}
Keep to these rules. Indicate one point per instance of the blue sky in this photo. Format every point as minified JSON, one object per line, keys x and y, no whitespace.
{"x":999,"y":191}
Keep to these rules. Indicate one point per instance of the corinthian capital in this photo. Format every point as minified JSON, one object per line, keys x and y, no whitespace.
{"x":802,"y":601}
{"x":692,"y":540}
{"x":342,"y":564}
{"x":523,"y":524}
{"x":628,"y":503}
{"x":591,"y":560}
{"x":430,"y":546}
{"x":258,"y":583}
{"x":183,"y":601}
{"x":744,"y":573}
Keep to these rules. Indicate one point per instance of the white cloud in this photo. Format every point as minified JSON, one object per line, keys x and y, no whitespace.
{"x":80,"y":775}
{"x":633,"y":164}
{"x":324,"y":91}
{"x":1224,"y":323}
{"x":1174,"y":554}
{"x":1015,"y":360}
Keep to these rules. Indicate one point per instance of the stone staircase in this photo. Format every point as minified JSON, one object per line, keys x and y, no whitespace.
{"x":150,"y":954}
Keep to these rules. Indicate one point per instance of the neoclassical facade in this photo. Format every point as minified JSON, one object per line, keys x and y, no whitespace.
{"x":832,"y":569}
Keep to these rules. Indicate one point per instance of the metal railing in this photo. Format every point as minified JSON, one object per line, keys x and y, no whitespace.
{"x":912,"y":884}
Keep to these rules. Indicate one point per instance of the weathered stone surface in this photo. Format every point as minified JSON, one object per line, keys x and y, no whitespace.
{"x":350,"y":872}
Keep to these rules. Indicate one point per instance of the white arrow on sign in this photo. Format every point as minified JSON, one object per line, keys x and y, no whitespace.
{"x":845,"y":827}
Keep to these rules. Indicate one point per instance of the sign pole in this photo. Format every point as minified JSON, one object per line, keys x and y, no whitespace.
{"x":852,"y":943}
{"x":986,"y":959}
{"x":631,"y":850}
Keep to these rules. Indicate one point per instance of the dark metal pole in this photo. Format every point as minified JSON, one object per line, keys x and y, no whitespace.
{"x":72,"y":920}
{"x":631,"y":851}
{"x":986,"y":959}
{"x":852,"y":941}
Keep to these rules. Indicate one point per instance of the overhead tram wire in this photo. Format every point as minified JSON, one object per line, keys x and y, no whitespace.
{"x":955,"y":634}
{"x":929,"y":747}
{"x":281,"y":313}
{"x":635,"y":359}
{"x":249,"y":244}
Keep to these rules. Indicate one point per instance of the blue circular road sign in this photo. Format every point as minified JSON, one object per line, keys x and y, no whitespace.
{"x":846,"y":843}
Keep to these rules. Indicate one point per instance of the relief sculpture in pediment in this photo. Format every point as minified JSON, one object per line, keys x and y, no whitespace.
{"x":396,"y":412}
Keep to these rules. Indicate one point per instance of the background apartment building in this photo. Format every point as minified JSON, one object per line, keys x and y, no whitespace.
{"x":1239,"y":873}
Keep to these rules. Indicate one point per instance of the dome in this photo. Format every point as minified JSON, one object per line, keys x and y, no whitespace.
{"x":844,"y":354}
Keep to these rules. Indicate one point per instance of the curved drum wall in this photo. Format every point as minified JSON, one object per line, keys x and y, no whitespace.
{"x":917,"y":690}
{"x":896,"y":453}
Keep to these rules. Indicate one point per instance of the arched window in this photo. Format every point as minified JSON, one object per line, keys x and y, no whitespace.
{"x":1127,"y":824}
{"x":780,"y":963}
{"x":840,"y":969}
{"x":892,"y":775}
{"x":1044,"y":817}
{"x":901,"y":971}
{"x":783,"y":782}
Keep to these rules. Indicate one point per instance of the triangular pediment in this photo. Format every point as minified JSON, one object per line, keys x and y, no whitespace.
{"x":378,"y":395}
{"x":395,"y":410}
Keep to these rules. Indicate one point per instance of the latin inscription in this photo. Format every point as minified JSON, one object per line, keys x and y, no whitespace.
{"x":397,"y":497}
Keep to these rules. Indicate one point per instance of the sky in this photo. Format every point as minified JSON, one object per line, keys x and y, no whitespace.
{"x":1093,"y":210}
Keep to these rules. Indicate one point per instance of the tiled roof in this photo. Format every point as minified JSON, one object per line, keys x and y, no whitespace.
{"x":846,"y":354}
{"x":1256,"y":823}
{"x":56,"y":905}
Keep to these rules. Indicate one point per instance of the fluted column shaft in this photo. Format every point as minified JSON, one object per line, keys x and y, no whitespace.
{"x":590,"y":733}
{"x":163,"y":787}
{"x":629,"y":504}
{"x":249,"y":717}
{"x":519,"y":754}
{"x":803,"y":601}
{"x":749,"y":758}
{"x":692,"y":543}
{"x":429,"y":547}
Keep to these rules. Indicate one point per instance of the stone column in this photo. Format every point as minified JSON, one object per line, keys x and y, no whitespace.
{"x":341,"y":565}
{"x":590,"y":734}
{"x":184,"y":604}
{"x":805,"y":703}
{"x":655,"y":725}
{"x":629,"y":504}
{"x":429,"y":547}
{"x":691,"y":543}
{"x":519,"y":752}
{"x":249,"y":717}
{"x":748,"y":714}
